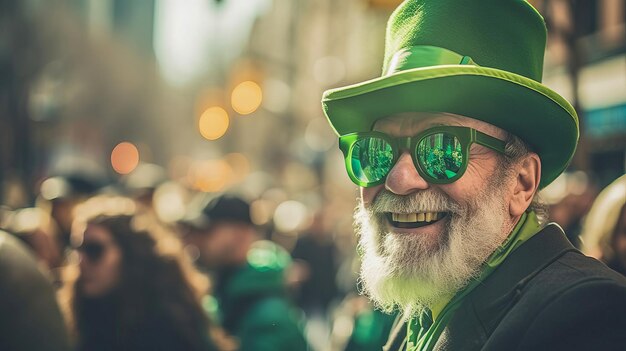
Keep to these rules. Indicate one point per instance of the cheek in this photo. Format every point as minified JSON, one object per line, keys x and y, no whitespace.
{"x":368,"y":194}
{"x":111,"y":267}
{"x":474,"y":182}
{"x":216,"y":242}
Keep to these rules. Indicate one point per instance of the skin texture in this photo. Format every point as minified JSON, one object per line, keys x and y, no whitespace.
{"x":100,"y":277}
{"x":403,"y":179}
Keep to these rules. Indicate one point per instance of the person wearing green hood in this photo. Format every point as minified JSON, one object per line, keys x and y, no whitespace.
{"x":249,"y":285}
{"x":449,"y":148}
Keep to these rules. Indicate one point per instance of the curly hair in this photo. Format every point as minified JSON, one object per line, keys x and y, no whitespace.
{"x":155,"y":276}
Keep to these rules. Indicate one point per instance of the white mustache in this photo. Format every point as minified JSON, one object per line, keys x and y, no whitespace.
{"x":423,"y":201}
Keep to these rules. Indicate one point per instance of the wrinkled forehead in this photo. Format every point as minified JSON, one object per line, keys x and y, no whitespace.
{"x":411,"y":123}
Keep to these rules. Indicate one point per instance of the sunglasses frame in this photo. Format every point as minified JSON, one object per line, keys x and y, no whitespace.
{"x":83,"y":248}
{"x":465,"y":135}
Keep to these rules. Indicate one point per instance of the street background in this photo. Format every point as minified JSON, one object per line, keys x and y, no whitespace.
{"x":205,"y":96}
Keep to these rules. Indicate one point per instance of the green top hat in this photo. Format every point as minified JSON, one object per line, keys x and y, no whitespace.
{"x":477,"y":58}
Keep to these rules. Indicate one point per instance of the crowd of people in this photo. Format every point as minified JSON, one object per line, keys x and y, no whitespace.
{"x":452,"y":148}
{"x":88,"y":269}
{"x":104,"y":266}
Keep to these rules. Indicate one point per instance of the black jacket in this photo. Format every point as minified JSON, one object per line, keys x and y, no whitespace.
{"x":545,"y":296}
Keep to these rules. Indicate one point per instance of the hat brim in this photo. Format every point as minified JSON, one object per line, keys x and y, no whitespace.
{"x":521,"y":106}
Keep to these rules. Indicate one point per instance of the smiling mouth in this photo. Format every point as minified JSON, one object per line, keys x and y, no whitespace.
{"x":414,"y":220}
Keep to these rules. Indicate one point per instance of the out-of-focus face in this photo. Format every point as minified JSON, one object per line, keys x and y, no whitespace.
{"x":619,"y":237}
{"x":416,"y":265}
{"x":222,"y":244}
{"x":100,"y":262}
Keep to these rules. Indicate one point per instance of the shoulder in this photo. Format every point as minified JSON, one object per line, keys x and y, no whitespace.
{"x":271,"y":311}
{"x":575,"y":303}
{"x":571,"y":273}
{"x":30,"y":316}
{"x":272,"y":324}
{"x":544,"y":291}
{"x":587,"y":314}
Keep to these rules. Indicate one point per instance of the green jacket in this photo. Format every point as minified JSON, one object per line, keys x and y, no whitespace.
{"x":253,"y":306}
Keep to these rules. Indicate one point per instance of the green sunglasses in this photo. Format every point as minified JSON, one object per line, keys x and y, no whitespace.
{"x":440,"y":154}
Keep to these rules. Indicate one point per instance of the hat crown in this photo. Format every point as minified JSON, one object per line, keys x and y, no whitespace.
{"x":505,"y":34}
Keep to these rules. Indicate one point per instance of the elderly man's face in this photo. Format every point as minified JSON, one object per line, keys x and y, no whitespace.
{"x":419,"y":266}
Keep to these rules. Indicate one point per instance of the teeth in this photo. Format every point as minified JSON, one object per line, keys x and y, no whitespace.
{"x":416,"y":217}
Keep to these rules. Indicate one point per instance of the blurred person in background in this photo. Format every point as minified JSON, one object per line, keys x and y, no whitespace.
{"x":604,"y":230}
{"x":36,"y":228}
{"x":316,"y":256}
{"x":30,"y":319}
{"x":357,"y":324}
{"x":370,"y":326}
{"x":59,"y":195}
{"x":133,"y":290}
{"x":314,"y":272}
{"x":449,"y":148}
{"x":249,"y":283}
{"x":570,"y":210}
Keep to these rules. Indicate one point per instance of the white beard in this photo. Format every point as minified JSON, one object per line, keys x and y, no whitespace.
{"x":406,"y":271}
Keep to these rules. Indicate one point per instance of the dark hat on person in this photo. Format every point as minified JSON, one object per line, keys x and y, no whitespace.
{"x":69,"y":186}
{"x":223,"y":208}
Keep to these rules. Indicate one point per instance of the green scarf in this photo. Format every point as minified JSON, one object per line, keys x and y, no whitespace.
{"x":423,"y":332}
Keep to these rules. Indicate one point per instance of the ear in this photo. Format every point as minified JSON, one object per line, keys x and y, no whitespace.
{"x":528,"y":175}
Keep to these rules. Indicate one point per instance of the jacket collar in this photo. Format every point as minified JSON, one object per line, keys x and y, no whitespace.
{"x":523,"y":264}
{"x":491,"y":300}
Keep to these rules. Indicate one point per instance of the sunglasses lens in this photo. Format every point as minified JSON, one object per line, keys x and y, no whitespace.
{"x":440,"y":155}
{"x":93,"y":251}
{"x":372,"y":159}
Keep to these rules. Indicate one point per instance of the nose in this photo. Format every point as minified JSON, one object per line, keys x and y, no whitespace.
{"x":403,"y":179}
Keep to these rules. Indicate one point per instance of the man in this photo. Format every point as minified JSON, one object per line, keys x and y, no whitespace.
{"x":450,"y":147}
{"x":249,"y":276}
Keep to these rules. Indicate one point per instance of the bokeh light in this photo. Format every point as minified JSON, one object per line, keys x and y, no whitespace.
{"x":291,"y":216}
{"x":239,"y":164}
{"x":53,"y":188}
{"x":210,"y":175}
{"x":276,"y":95}
{"x":246,"y":97}
{"x":261,"y":211}
{"x":169,"y":202}
{"x":318,"y":136}
{"x":213,"y":123}
{"x":124,"y":157}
